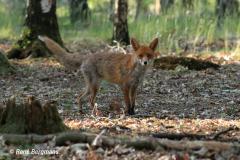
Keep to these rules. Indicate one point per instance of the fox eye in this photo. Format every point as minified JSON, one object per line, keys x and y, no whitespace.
{"x":149,"y":55}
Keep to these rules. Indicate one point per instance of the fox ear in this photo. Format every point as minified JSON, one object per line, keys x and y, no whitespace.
{"x":153,"y":44}
{"x":157,"y":54}
{"x":135,"y":44}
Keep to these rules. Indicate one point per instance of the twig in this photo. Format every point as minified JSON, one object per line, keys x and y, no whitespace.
{"x":97,"y":140}
{"x":216,"y":135}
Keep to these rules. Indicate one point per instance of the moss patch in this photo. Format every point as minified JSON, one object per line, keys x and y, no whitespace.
{"x":5,"y":66}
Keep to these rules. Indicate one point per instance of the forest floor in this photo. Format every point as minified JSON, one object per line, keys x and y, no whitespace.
{"x":168,"y":101}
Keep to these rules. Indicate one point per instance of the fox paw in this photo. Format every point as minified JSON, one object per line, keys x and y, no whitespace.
{"x":131,"y":112}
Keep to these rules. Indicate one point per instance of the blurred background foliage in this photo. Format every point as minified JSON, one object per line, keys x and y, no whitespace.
{"x":177,"y":23}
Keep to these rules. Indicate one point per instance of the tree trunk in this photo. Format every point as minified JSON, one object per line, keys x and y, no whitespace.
{"x":226,"y":8}
{"x":30,"y":117}
{"x":41,"y":19}
{"x":111,"y":10}
{"x":157,"y":6}
{"x":166,"y":4}
{"x":5,"y":66}
{"x":138,"y":8}
{"x":79,"y":10}
{"x":188,"y":4}
{"x":120,"y":31}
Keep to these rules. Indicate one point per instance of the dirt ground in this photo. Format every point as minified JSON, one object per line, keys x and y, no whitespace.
{"x":168,"y":101}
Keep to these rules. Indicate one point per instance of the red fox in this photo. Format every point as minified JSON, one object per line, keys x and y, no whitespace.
{"x":126,"y":70}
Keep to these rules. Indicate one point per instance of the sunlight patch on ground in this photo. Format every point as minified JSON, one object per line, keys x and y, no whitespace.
{"x":146,"y":125}
{"x":47,"y":62}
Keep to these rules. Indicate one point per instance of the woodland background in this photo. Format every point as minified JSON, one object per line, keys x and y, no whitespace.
{"x":188,"y":106}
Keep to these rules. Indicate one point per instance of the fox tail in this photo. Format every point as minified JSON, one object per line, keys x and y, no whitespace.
{"x":72,"y":61}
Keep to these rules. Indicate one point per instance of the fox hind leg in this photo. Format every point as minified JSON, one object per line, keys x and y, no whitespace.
{"x":92,"y":81}
{"x":81,"y":96}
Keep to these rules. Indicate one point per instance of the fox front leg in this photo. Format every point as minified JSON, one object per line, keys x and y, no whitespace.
{"x":132,"y":94}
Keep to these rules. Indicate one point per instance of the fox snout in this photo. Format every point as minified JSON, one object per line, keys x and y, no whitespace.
{"x":144,"y":61}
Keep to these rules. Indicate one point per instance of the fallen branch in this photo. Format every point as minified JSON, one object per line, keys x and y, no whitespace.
{"x":25,"y":139}
{"x":139,"y":143}
{"x":148,"y":143}
{"x":176,"y":136}
{"x":171,"y":62}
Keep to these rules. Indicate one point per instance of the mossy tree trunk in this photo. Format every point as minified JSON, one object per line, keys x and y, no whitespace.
{"x":41,"y":19}
{"x":30,"y":117}
{"x":79,"y":11}
{"x":120,"y":31}
{"x":5,"y":66}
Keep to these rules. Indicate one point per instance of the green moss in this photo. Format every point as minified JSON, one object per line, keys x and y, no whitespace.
{"x":5,"y":66}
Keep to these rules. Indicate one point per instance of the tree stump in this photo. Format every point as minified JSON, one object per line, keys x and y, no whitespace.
{"x":171,"y":62}
{"x":30,"y":117}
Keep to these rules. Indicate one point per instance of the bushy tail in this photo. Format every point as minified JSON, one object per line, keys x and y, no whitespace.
{"x":71,"y":61}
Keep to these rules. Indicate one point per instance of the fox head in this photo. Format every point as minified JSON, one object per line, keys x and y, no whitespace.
{"x":144,"y":54}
